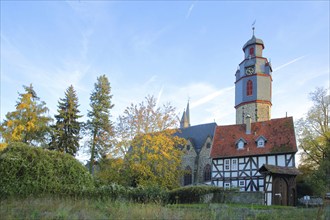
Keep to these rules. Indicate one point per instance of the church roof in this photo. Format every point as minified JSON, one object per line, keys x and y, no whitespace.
{"x":197,"y":134}
{"x":279,"y":135}
{"x":252,"y":41}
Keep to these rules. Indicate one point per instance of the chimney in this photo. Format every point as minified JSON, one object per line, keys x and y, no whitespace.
{"x":248,"y":124}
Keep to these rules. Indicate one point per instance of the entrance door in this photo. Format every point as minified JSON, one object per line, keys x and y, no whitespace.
{"x":280,"y":191}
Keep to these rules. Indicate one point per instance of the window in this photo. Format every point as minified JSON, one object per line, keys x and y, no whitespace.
{"x":234,"y":164}
{"x":207,"y":173}
{"x":251,"y":52}
{"x":261,"y":143}
{"x":249,"y":88}
{"x":227,"y":185}
{"x":241,"y":183}
{"x":227,"y":164}
{"x":208,"y":145}
{"x":187,"y":180}
{"x":240,"y":144}
{"x":188,"y":147}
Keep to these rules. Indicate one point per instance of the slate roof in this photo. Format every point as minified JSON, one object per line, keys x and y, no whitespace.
{"x":197,"y":134}
{"x":266,"y":168}
{"x":252,"y":41}
{"x":279,"y":135}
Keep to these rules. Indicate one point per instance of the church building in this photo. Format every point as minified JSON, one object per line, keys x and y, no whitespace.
{"x":257,"y":153}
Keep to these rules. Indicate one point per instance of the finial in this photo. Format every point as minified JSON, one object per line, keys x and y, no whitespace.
{"x":253,"y":26}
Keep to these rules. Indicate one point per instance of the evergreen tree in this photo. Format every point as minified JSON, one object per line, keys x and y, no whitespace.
{"x":67,"y":128}
{"x":99,"y":125}
{"x":29,"y":123}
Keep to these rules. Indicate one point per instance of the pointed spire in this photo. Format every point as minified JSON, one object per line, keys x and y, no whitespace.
{"x":185,"y":120}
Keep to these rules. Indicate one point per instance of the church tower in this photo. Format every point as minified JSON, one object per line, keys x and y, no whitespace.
{"x":253,"y":85}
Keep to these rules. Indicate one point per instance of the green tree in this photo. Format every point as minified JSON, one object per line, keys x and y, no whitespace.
{"x":99,"y":125}
{"x":314,"y":139}
{"x":28,"y":123}
{"x":67,"y":128}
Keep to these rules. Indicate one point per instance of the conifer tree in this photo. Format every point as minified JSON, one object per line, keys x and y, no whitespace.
{"x":99,"y":125}
{"x":67,"y":128}
{"x":28,"y":123}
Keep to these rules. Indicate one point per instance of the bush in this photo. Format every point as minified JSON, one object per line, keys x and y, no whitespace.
{"x":146,"y":194}
{"x":26,"y":170}
{"x":192,"y":194}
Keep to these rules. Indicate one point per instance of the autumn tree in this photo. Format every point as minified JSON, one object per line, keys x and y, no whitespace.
{"x":29,"y":123}
{"x":155,"y":159}
{"x":67,"y":128}
{"x":99,"y":126}
{"x":314,"y":139}
{"x":145,"y":136}
{"x":145,"y":117}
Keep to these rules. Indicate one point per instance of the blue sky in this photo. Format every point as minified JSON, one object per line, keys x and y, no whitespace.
{"x":172,"y":50}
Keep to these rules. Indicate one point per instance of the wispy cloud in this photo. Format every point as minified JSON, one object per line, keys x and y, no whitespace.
{"x":159,"y":95}
{"x":210,"y":97}
{"x":288,"y":63}
{"x":190,"y":10}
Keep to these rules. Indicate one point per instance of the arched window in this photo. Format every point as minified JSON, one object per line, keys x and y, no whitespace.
{"x":187,"y":180}
{"x":207,"y":173}
{"x":249,"y":88}
{"x":251,"y":51}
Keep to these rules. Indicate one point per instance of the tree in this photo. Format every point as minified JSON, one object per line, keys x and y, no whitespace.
{"x":313,"y":131}
{"x":314,"y":139}
{"x":99,"y":125}
{"x":145,"y":137}
{"x":155,"y":159}
{"x":142,"y":119}
{"x":29,"y":123}
{"x":66,"y":130}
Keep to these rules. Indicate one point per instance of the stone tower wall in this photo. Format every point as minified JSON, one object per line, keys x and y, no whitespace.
{"x":263,"y":113}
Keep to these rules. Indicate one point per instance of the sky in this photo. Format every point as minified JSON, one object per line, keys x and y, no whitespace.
{"x":174,"y":50}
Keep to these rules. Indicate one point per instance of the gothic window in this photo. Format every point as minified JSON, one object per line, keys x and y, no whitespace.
{"x":207,"y":173}
{"x":249,"y":88}
{"x":187,"y":180}
{"x":251,"y":51}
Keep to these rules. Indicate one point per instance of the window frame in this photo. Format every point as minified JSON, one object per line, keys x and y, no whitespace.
{"x":226,"y":166}
{"x":249,"y":88}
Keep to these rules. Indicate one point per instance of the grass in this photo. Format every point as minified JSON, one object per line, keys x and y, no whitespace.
{"x":66,"y":208}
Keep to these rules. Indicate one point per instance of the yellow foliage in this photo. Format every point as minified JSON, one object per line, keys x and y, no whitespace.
{"x":3,"y":146}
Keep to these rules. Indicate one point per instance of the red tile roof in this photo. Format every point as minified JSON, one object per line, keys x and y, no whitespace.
{"x":266,"y":168}
{"x":279,"y":134}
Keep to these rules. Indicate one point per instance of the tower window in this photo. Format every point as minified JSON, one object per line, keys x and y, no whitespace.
{"x":249,"y":88}
{"x":251,"y":52}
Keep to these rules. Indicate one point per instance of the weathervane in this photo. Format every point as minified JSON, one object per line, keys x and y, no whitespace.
{"x":253,"y":26}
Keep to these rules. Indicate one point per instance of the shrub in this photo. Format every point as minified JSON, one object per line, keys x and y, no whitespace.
{"x":147,"y":194}
{"x":192,"y":194}
{"x":26,"y":170}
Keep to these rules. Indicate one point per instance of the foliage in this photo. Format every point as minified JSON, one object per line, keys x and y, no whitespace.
{"x":155,"y":159}
{"x":113,"y":170}
{"x":66,"y":130}
{"x":191,"y":194}
{"x":143,"y":118}
{"x":314,"y":138}
{"x":28,"y":123}
{"x":26,"y":170}
{"x":148,"y":194}
{"x":313,"y":131}
{"x":99,"y":125}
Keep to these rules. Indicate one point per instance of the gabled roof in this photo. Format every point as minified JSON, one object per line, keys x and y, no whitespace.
{"x":266,"y":168}
{"x":197,"y":134}
{"x":279,"y":133}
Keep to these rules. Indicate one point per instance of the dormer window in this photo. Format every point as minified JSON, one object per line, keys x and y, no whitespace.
{"x":240,"y":144}
{"x":261,"y":141}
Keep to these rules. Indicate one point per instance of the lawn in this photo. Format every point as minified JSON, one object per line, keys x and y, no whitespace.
{"x":66,"y":208}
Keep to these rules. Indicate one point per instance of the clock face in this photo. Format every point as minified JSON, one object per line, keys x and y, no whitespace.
{"x":249,"y":70}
